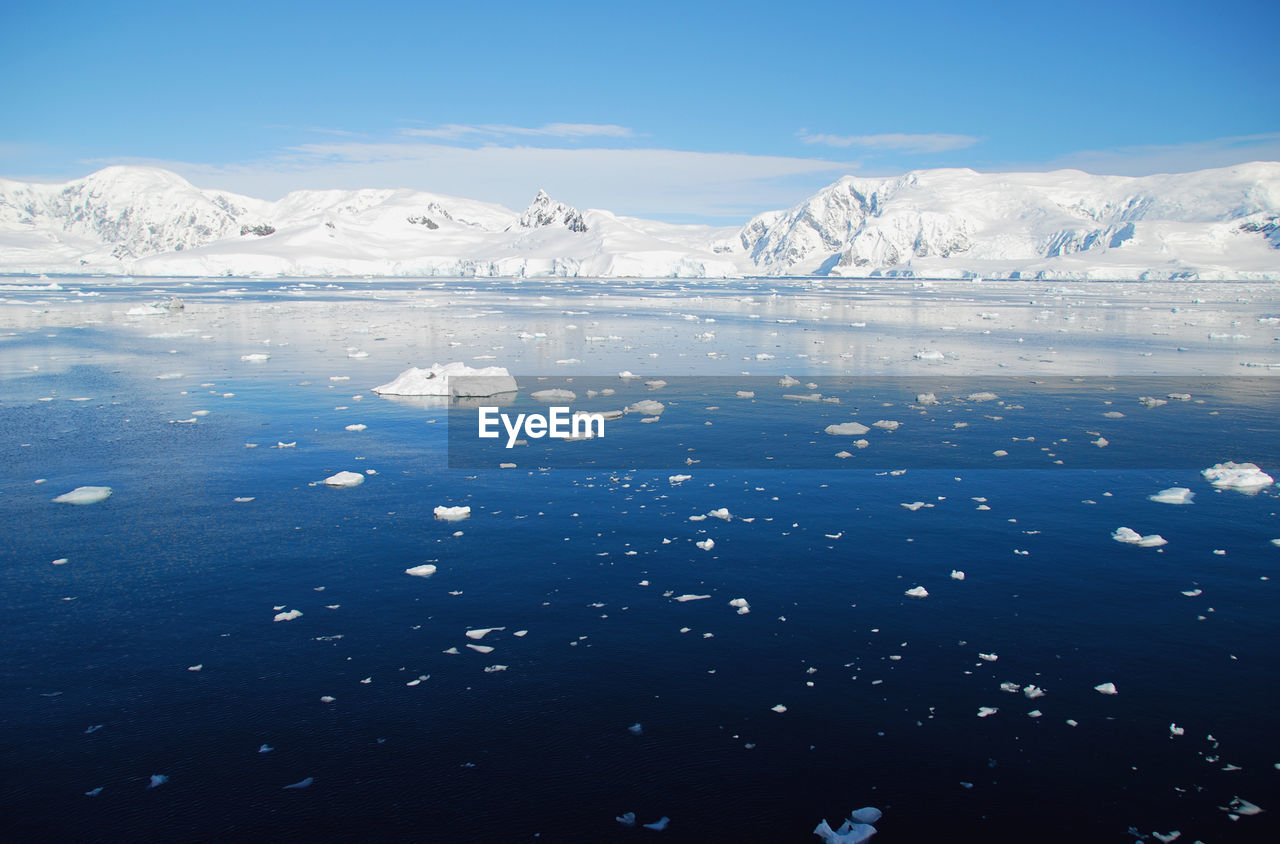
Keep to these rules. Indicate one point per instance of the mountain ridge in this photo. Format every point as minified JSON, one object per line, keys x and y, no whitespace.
{"x":1208,"y":224}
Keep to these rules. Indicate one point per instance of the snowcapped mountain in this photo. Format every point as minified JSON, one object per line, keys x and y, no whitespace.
{"x":1222,"y":223}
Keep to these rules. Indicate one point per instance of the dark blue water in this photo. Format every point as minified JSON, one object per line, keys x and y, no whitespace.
{"x":171,"y":572}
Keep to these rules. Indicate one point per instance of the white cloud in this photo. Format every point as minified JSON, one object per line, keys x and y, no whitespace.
{"x":458,"y":131}
{"x":894,"y":142}
{"x":1169,"y":158}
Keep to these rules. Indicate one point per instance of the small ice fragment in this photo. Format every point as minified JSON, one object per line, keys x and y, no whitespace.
{"x":61,"y":561}
{"x":265,"y":748}
{"x":659,"y":824}
{"x":867,"y":814}
{"x":424,"y":570}
{"x":917,"y":592}
{"x":846,"y":429}
{"x":706,"y":544}
{"x":93,"y":792}
{"x":636,"y":729}
{"x":926,"y":399}
{"x":626,"y":819}
{"x":302,"y":783}
{"x":1132,"y":537}
{"x":479,"y":633}
{"x":1193,"y":593}
{"x":778,"y":708}
{"x":158,"y":780}
{"x":886,"y":424}
{"x":741,"y":604}
{"x":242,"y":499}
{"x":848,"y":833}
{"x":685,"y":598}
{"x":288,"y":616}
{"x":1173,"y":495}
{"x":788,"y":381}
{"x":746,"y":394}
{"x":678,"y":479}
{"x":520,"y":634}
{"x":983,"y":396}
{"x":493,"y":669}
{"x":988,"y":657}
{"x":344,"y":479}
{"x":554,"y":395}
{"x":257,"y":357}
{"x":327,"y":699}
{"x":1033,"y":691}
{"x":721,"y":513}
{"x":985,"y":711}
{"x":915,"y":505}
{"x":92,"y":728}
{"x":484,"y":649}
{"x":1101,"y":442}
{"x":1175,"y":730}
{"x":1106,"y":688}
{"x":956,"y":574}
{"x":452,"y":514}
{"x":357,"y":427}
{"x":843,"y":455}
{"x":197,"y":667}
{"x":929,"y":354}
{"x":1000,"y":452}
{"x":648,"y":407}
{"x":1240,"y":806}
{"x":84,"y":495}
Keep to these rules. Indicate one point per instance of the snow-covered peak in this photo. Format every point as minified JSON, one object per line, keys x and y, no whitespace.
{"x":545,"y":211}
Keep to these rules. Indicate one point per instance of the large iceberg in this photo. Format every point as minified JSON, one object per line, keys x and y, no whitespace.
{"x":451,"y":379}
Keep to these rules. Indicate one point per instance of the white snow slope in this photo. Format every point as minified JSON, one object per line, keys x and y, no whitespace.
{"x":1211,"y":224}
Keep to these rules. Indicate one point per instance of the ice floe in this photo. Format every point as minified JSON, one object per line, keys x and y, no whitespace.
{"x":256,"y":357}
{"x":648,"y":407}
{"x":306,"y":783}
{"x":158,"y":780}
{"x":478,"y":633}
{"x":917,"y":592}
{"x":1132,"y":537}
{"x":846,"y":429}
{"x":706,"y":544}
{"x":343,"y":479}
{"x":1173,"y":495}
{"x":452,"y":514}
{"x":956,"y":574}
{"x":555,"y":394}
{"x":84,"y":495}
{"x":290,"y":615}
{"x":424,"y":570}
{"x":685,"y":598}
{"x":450,"y":379}
{"x":741,"y":604}
{"x":1245,"y":477}
{"x":1106,"y":688}
{"x":658,"y":825}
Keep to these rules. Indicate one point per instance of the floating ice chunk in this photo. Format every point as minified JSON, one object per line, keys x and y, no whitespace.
{"x":788,"y":381}
{"x":706,"y":544}
{"x":846,"y":429}
{"x":479,"y":633}
{"x":61,"y":561}
{"x":265,"y":748}
{"x":1240,"y":806}
{"x":741,"y":604}
{"x":288,"y":616}
{"x":926,"y":399}
{"x":301,"y":783}
{"x":1173,"y":495}
{"x":626,"y":819}
{"x":158,"y":780}
{"x":1101,"y":442}
{"x":242,"y":499}
{"x":85,"y":495}
{"x":424,"y":570}
{"x":494,"y":669}
{"x":92,"y":728}
{"x":648,"y":407}
{"x":1012,"y":688}
{"x":1245,"y":477}
{"x":1000,"y":452}
{"x":678,"y":479}
{"x":867,"y":814}
{"x":256,"y":357}
{"x":956,"y":574}
{"x":293,"y":444}
{"x":343,"y":479}
{"x":484,"y":649}
{"x":554,"y":394}
{"x":685,"y":598}
{"x":849,"y":833}
{"x":1033,"y":691}
{"x":987,"y":711}
{"x":917,"y":592}
{"x":357,"y":427}
{"x":451,"y":379}
{"x":746,"y":394}
{"x":843,"y":455}
{"x":1193,"y":593}
{"x":721,"y":513}
{"x":452,"y":514}
{"x":778,"y":708}
{"x":328,"y":699}
{"x":983,"y":396}
{"x":93,"y":792}
{"x":659,"y":825}
{"x":1132,"y":537}
{"x":914,"y":506}
{"x":1175,"y":730}
{"x":1106,"y":688}
{"x":197,"y":667}
{"x":929,"y":354}
{"x":886,"y":424}
{"x":988,"y":657}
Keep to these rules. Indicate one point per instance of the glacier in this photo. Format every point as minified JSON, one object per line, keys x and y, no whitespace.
{"x":1219,"y":224}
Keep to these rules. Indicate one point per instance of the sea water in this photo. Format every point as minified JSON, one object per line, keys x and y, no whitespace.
{"x":149,"y":692}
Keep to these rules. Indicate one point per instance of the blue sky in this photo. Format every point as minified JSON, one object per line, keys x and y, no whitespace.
{"x":684,"y":111}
